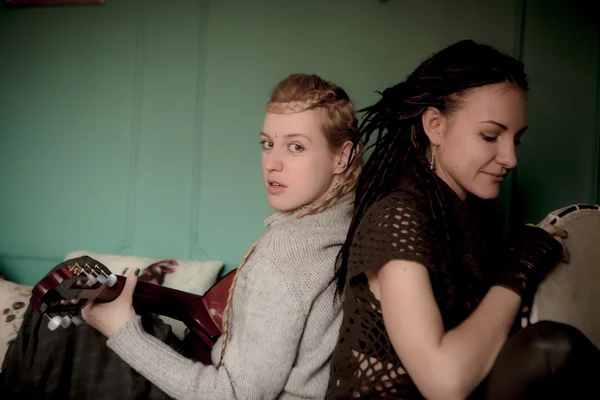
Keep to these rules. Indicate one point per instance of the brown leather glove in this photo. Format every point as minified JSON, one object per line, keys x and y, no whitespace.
{"x":533,"y":254}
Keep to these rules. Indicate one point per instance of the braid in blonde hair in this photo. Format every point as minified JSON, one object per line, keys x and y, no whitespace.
{"x":302,"y":92}
{"x":227,"y":311}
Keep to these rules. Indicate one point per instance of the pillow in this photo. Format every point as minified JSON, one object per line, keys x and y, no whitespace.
{"x":14,"y":300}
{"x":186,"y":275}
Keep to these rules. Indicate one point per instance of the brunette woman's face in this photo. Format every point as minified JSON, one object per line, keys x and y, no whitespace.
{"x":477,"y":143}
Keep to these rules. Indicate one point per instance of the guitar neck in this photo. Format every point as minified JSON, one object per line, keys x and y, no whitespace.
{"x":155,"y":299}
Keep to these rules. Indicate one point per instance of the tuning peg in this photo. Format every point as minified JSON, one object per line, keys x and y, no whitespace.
{"x":54,"y":323}
{"x":111,"y":280}
{"x":65,"y":321}
{"x":102,"y":277}
{"x":91,"y":279}
{"x":76,"y":320}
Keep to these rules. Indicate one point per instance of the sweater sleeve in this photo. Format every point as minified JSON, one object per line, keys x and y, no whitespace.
{"x":260,"y":352}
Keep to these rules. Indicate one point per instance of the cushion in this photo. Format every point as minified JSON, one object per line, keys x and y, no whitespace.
{"x":14,"y":300}
{"x":186,"y":275}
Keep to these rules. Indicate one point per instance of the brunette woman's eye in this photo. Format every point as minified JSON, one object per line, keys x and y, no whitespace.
{"x":489,"y":138}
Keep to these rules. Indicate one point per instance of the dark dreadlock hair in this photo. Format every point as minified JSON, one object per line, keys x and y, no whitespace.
{"x":440,"y":81}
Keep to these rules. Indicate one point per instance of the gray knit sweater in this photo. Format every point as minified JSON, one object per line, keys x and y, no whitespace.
{"x":283,"y":326}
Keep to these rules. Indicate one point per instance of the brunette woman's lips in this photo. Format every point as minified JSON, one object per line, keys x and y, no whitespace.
{"x":497,"y":177}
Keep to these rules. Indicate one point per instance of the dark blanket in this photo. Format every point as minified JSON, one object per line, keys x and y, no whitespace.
{"x":74,"y":363}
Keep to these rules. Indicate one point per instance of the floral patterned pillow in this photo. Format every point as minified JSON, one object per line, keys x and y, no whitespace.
{"x":14,"y":299}
{"x":192,"y":276}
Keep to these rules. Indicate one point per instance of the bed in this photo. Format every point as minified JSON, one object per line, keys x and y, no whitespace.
{"x":187,"y":275}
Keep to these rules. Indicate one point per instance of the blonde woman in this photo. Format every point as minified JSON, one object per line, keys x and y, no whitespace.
{"x":282,"y":321}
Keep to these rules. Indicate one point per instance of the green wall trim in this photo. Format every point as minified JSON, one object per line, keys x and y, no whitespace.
{"x":511,"y":214}
{"x":595,"y":192}
{"x":520,"y":33}
{"x":196,"y":250}
{"x":135,"y":129}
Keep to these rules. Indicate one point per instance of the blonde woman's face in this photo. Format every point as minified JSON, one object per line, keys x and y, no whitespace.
{"x":297,"y":166}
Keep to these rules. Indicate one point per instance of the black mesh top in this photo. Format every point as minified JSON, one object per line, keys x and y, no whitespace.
{"x":456,"y":250}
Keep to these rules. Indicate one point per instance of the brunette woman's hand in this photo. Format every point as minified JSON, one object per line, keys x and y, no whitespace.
{"x":534,"y":252}
{"x":559,"y":234}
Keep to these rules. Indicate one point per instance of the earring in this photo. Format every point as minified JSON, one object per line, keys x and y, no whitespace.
{"x":432,"y":163}
{"x":337,"y":185}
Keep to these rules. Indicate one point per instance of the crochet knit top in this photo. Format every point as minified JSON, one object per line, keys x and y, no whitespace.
{"x":401,"y":225}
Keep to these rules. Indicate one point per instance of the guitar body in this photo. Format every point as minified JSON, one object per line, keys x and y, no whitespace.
{"x":72,"y":284}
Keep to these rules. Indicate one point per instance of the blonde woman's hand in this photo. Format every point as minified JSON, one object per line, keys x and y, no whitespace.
{"x":108,"y":318}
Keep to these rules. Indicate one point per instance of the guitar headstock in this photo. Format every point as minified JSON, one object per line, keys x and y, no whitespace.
{"x":72,"y":284}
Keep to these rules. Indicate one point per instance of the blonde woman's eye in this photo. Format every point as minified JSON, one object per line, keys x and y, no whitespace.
{"x":296,"y":148}
{"x":266,"y":145}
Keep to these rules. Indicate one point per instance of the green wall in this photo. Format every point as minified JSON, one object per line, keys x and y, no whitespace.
{"x":559,"y":158}
{"x":132,"y":128}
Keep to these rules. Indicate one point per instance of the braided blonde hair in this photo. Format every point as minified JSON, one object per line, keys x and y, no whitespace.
{"x":302,"y":92}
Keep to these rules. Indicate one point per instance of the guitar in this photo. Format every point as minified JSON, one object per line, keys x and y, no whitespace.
{"x":72,"y":284}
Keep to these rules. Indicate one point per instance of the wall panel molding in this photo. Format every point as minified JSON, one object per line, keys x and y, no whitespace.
{"x":135,"y":132}
{"x":511,"y":214}
{"x":196,"y":251}
{"x":29,"y":256}
{"x":596,"y":148}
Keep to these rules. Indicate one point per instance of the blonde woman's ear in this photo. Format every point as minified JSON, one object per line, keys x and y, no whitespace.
{"x":342,"y":157}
